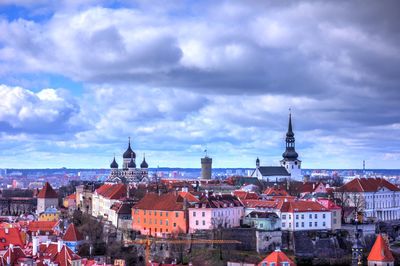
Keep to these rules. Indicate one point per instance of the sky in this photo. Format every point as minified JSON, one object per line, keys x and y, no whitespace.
{"x":77,"y":78}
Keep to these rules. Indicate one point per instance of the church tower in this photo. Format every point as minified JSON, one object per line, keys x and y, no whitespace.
{"x":290,"y":161}
{"x":128,"y":155}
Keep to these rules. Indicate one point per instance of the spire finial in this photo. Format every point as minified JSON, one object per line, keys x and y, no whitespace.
{"x":129,"y":140}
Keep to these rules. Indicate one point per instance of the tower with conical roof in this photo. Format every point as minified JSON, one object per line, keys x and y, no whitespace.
{"x":46,"y":198}
{"x":380,"y":254}
{"x":290,"y":157}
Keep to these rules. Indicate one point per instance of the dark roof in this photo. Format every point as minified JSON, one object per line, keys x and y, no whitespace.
{"x":131,"y":164}
{"x":144,"y":163}
{"x":47,"y":192}
{"x":247,"y":181}
{"x":114,"y":164}
{"x":129,"y":153}
{"x":273,"y":171}
{"x":256,"y":214}
{"x":220,"y":201}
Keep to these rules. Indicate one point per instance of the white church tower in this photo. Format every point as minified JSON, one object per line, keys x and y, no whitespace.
{"x":290,"y":161}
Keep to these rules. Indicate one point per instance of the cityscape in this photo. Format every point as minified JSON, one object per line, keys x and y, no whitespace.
{"x":226,"y":133}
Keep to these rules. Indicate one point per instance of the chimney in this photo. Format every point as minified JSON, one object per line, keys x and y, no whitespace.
{"x":11,"y":247}
{"x":285,"y":200}
{"x":59,"y":245}
{"x":35,"y":244}
{"x":313,"y":186}
{"x":48,"y":243}
{"x":8,"y":260}
{"x":6,"y":231}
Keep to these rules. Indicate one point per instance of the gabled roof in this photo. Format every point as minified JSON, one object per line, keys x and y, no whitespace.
{"x":266,"y":204}
{"x":243,"y":195}
{"x":278,"y":257}
{"x":367,"y":185}
{"x":72,"y":234}
{"x":276,"y":191}
{"x":188,"y":196}
{"x":302,"y":206}
{"x":65,"y":256}
{"x":265,"y":215}
{"x":122,"y":207}
{"x":310,"y":187}
{"x":163,"y":202}
{"x":47,"y":192}
{"x":14,"y":254}
{"x":44,"y":226}
{"x":10,"y":236}
{"x":112,"y":191}
{"x":380,"y":251}
{"x":220,"y":201}
{"x":273,"y":171}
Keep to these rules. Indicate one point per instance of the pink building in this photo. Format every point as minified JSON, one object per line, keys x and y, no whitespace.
{"x":215,"y":211}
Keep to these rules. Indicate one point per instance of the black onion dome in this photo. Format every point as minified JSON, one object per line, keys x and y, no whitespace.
{"x":129,"y":153}
{"x":257,"y":161}
{"x":290,"y":154}
{"x":131,"y":164}
{"x":144,"y":163}
{"x":114,"y":164}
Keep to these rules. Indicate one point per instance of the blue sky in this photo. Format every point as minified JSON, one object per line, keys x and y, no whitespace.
{"x":78,"y":77}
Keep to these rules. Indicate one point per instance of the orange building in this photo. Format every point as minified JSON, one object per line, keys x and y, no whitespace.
{"x":160,"y":215}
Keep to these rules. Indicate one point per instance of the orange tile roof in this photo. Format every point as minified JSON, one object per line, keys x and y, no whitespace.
{"x":189,"y":196}
{"x":302,"y":206}
{"x":367,"y":185}
{"x":260,"y":204}
{"x":44,"y":226}
{"x":277,"y":257}
{"x":72,"y":234}
{"x":243,"y":195}
{"x":380,"y":251}
{"x":112,"y":191}
{"x":47,"y":192}
{"x":71,"y":197}
{"x":10,"y":236}
{"x":275,"y":191}
{"x":14,"y":254}
{"x":65,"y":256}
{"x":163,"y":202}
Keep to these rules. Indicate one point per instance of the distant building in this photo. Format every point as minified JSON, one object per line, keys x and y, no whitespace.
{"x":129,"y":173}
{"x":290,"y":167}
{"x":46,"y":198}
{"x":380,"y":254}
{"x":206,"y":167}
{"x":374,"y":198}
{"x":269,"y":221}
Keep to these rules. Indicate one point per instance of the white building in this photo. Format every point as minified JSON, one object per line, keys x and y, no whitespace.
{"x":305,"y":215}
{"x":375,"y":198}
{"x":290,"y":164}
{"x":104,"y":197}
{"x":215,"y":211}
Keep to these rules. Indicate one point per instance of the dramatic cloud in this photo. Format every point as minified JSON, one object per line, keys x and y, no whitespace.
{"x":182,"y":75}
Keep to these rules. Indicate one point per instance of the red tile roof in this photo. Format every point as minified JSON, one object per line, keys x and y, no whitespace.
{"x":14,"y":254}
{"x":71,"y":197}
{"x":278,"y":257}
{"x":302,"y":206}
{"x":367,"y":185}
{"x":260,"y":204}
{"x":112,"y":191}
{"x":380,"y":251}
{"x":10,"y":236}
{"x":275,"y":191}
{"x":243,"y":195}
{"x":72,"y":234}
{"x":189,"y":196}
{"x":163,"y":202}
{"x":44,"y":226}
{"x":65,"y":257}
{"x":47,"y":192}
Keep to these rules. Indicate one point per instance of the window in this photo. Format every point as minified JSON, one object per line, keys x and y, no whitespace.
{"x":174,"y":224}
{"x":334,"y":221}
{"x":177,"y":214}
{"x":316,"y":224}
{"x":155,"y":213}
{"x":310,"y":224}
{"x":197,"y":222}
{"x":203,"y":214}
{"x":204,"y":222}
{"x":297,"y":216}
{"x":310,"y":216}
{"x":302,"y":216}
{"x":166,"y":222}
{"x":144,"y":220}
{"x":284,"y":217}
{"x":334,"y":214}
{"x":297,"y":224}
{"x":194,"y":214}
{"x":315,"y":216}
{"x":166,"y":214}
{"x":144,"y":211}
{"x":323,"y":223}
{"x":290,"y":216}
{"x":160,"y":222}
{"x":160,"y":213}
{"x":261,"y":225}
{"x":302,"y":224}
{"x":323,"y":215}
{"x":290,"y":224}
{"x":283,"y":224}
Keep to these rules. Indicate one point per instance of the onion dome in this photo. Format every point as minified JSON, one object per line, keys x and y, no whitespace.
{"x":144,"y":163}
{"x":129,"y":153}
{"x":114,"y":164}
{"x":131,"y":163}
{"x":257,"y":161}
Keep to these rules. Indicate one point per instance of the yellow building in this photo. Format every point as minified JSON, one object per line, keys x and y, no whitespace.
{"x":49,"y":215}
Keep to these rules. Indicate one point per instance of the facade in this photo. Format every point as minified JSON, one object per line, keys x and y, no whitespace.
{"x":380,"y":254}
{"x":84,"y":195}
{"x":335,"y":210}
{"x":129,"y":173}
{"x":305,"y":215}
{"x":290,"y":165}
{"x":374,"y":198}
{"x":215,"y":211}
{"x":121,"y":215}
{"x":160,"y":215}
{"x":50,"y":214}
{"x":46,"y":198}
{"x":269,"y":221}
{"x":105,"y":196}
